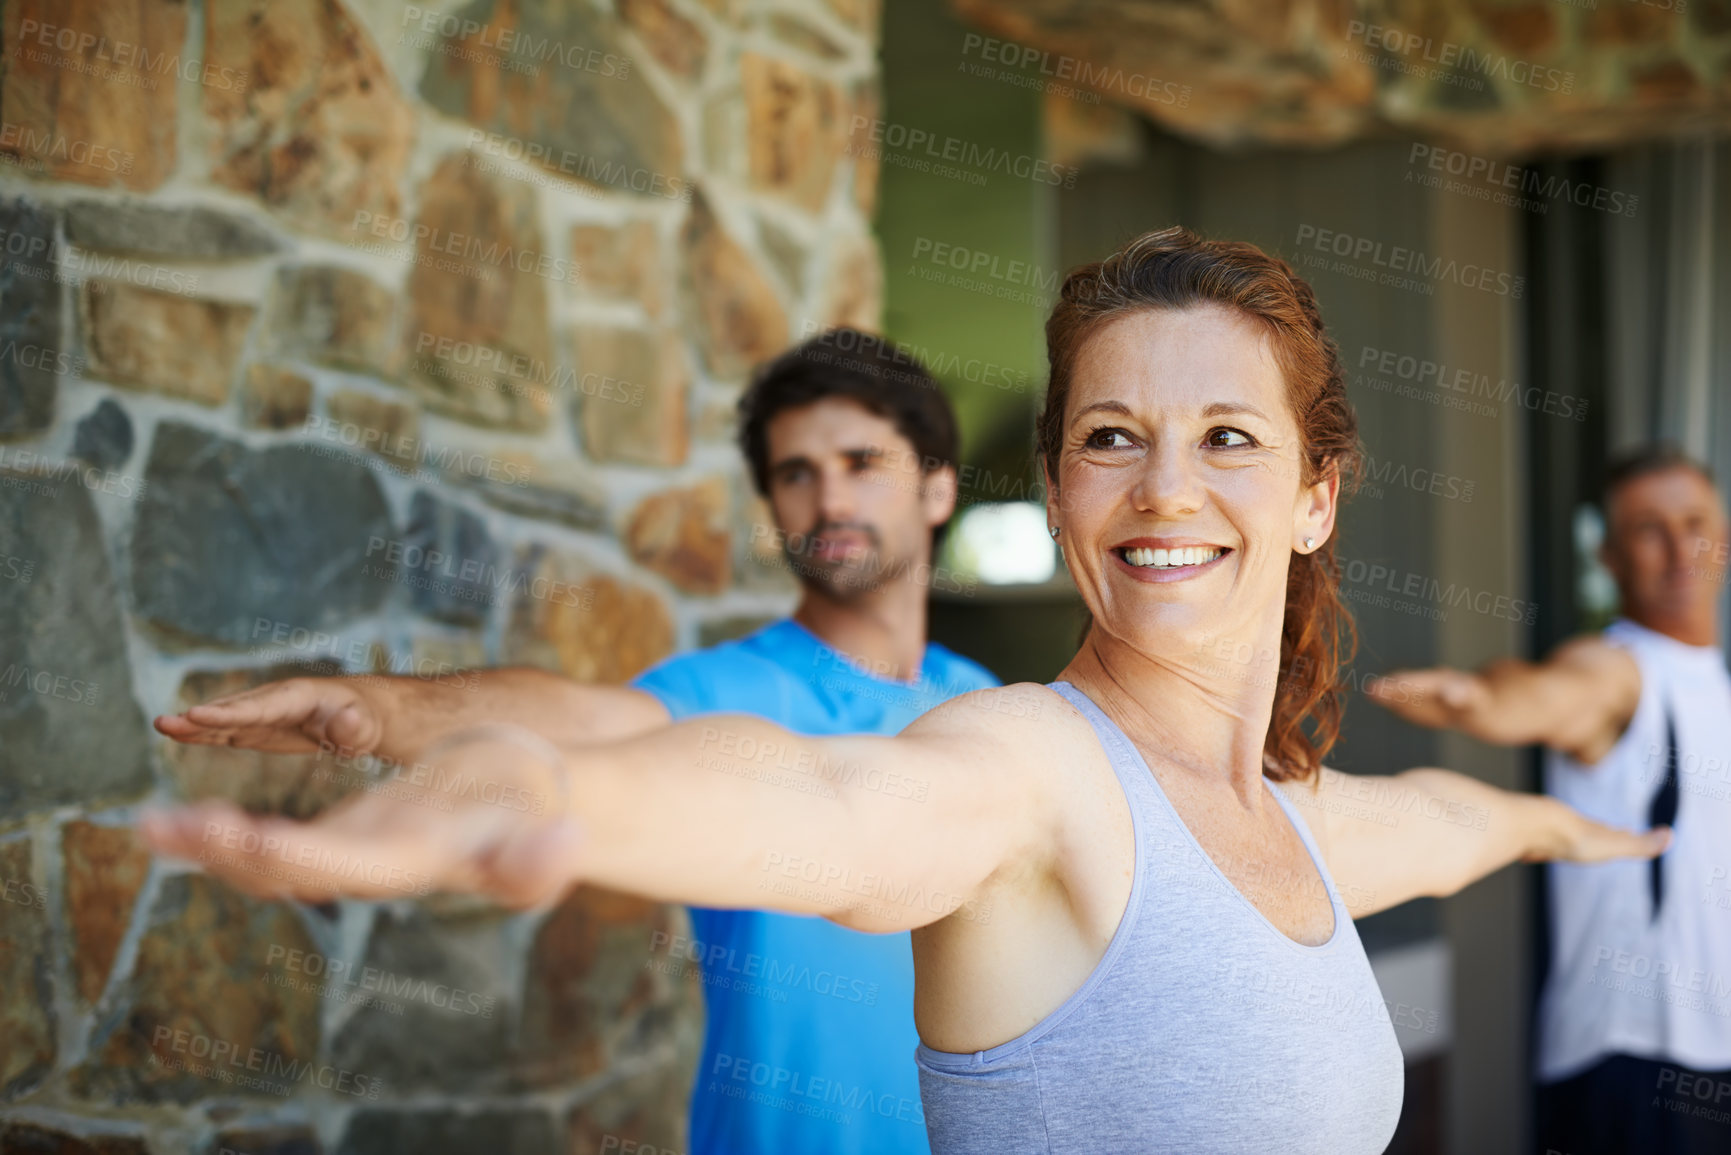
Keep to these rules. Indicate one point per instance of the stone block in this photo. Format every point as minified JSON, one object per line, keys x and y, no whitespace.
{"x":565,"y":56}
{"x":32,"y":319}
{"x":27,"y":1026}
{"x":644,"y":1112}
{"x":31,"y":1139}
{"x":321,"y":133}
{"x":683,"y":534}
{"x":227,"y":537}
{"x":105,"y":867}
{"x":202,"y":978}
{"x":520,"y":1131}
{"x":633,"y":395}
{"x":621,"y":263}
{"x":680,"y":45}
{"x":739,"y":319}
{"x":103,"y":436}
{"x":275,"y":397}
{"x":478,"y":337}
{"x":599,"y":990}
{"x":332,"y":316}
{"x":389,"y":428}
{"x":594,"y":628}
{"x":175,"y":232}
{"x":434,"y":1005}
{"x":795,"y":130}
{"x":73,"y":115}
{"x":70,"y":730}
{"x":164,"y":342}
{"x":285,"y":1140}
{"x":551,"y":489}
{"x":460,"y":564}
{"x":854,"y":289}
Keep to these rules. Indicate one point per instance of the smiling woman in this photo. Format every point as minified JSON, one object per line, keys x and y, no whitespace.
{"x":1132,"y":889}
{"x":1254,"y":302}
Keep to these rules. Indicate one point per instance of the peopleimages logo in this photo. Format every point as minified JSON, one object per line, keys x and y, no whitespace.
{"x":1373,"y":578}
{"x":50,"y":145}
{"x":252,"y":1067}
{"x":1455,"y":62}
{"x":473,"y":254}
{"x":867,"y":353}
{"x":1494,"y":174}
{"x":1416,"y":478}
{"x":1050,"y":67}
{"x":118,"y":60}
{"x":1398,"y":368}
{"x":720,"y":960}
{"x":498,"y":44}
{"x":581,"y":165}
{"x":800,"y":1091}
{"x":337,"y":973}
{"x":932,"y":146}
{"x":1357,"y":251}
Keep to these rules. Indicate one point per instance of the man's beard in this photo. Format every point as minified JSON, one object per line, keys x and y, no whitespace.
{"x":844,"y":578}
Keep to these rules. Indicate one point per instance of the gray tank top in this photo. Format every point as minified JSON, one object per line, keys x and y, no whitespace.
{"x":1203,"y":1028}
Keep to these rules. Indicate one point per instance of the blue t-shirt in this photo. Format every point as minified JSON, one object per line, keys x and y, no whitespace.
{"x":810,"y":1037}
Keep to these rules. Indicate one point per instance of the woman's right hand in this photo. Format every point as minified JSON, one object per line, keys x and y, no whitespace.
{"x":484,"y":815}
{"x":294,"y":716}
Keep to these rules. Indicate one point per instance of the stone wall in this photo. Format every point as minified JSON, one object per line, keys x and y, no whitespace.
{"x":1498,"y":77}
{"x":351,"y":335}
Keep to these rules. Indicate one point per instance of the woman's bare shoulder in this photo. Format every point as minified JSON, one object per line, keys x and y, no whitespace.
{"x":1023,"y":725}
{"x":1017,"y":711}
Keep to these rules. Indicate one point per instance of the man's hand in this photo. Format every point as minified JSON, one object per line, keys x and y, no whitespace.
{"x":1579,"y":700}
{"x":395,"y":718}
{"x":485,"y":819}
{"x":1441,"y":698}
{"x":295,"y":716}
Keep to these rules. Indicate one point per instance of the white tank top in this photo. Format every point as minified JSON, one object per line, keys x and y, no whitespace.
{"x":1620,"y":980}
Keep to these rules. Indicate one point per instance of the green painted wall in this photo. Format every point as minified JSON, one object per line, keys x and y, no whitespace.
{"x":979,"y":131}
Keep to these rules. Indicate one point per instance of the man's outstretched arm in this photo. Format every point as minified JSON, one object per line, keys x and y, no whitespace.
{"x":395,"y":718}
{"x":1578,"y":701}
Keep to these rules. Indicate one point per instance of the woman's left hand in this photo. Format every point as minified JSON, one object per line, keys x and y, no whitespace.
{"x":1580,"y":839}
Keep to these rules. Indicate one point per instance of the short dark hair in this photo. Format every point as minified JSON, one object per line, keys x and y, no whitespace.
{"x":871,"y":371}
{"x":1657,"y":457}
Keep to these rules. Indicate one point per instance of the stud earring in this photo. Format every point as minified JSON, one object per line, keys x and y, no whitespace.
{"x":1309,"y":543}
{"x":1054,"y":531}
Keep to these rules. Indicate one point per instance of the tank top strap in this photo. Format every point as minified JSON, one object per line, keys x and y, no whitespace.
{"x":1133,"y":775}
{"x":1302,"y":826}
{"x":1148,"y":803}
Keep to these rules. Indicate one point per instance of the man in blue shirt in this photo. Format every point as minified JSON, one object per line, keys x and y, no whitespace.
{"x":810,"y":1025}
{"x":810,"y":1033}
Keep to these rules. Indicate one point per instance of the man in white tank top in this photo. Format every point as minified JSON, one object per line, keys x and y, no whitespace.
{"x":1634,"y":1038}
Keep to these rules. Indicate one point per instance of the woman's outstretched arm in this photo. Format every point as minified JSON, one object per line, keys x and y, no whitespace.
{"x":1429,"y":833}
{"x":875,"y":833}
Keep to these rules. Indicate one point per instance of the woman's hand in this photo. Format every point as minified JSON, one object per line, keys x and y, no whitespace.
{"x":1573,"y":837}
{"x":485,"y":815}
{"x":294,"y":716}
{"x":1430,"y":833}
